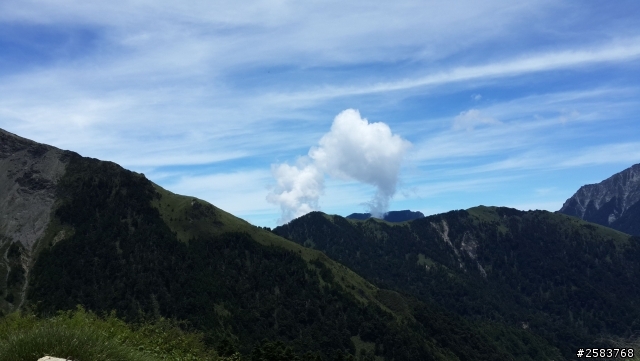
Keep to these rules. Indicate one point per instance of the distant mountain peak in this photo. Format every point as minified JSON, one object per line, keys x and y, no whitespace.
{"x":392,"y":216}
{"x":614,"y":202}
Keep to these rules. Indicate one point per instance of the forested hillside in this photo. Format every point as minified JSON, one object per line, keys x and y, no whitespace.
{"x":568,"y":281}
{"x":117,"y":242}
{"x":482,"y":284}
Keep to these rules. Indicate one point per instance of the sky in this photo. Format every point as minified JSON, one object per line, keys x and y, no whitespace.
{"x":271,"y":109}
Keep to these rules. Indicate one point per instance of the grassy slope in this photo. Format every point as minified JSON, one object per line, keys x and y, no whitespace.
{"x":81,"y":335}
{"x":489,"y":214}
{"x":178,"y":212}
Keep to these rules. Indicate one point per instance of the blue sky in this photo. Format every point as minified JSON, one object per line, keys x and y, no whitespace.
{"x":493,"y":102}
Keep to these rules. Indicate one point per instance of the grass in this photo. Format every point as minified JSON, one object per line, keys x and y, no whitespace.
{"x":632,"y":342}
{"x":177,"y":212}
{"x":619,"y":238}
{"x":65,"y":342}
{"x":367,"y":347}
{"x":82,"y":336}
{"x":488,"y":214}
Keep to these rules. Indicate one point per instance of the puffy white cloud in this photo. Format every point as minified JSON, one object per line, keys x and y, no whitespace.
{"x":298,"y":188}
{"x":353,"y":149}
{"x":472,"y":118}
{"x":362,"y":151}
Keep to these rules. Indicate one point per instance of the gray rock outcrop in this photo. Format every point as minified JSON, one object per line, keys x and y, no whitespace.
{"x":29,"y":172}
{"x":614,"y":202}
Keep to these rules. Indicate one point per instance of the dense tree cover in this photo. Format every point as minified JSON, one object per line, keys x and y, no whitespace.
{"x":560,"y":279}
{"x":629,"y":222}
{"x":260,"y":300}
{"x":15,"y":278}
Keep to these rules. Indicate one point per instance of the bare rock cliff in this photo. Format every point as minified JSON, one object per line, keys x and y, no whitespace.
{"x":614,"y":202}
{"x":29,"y":172}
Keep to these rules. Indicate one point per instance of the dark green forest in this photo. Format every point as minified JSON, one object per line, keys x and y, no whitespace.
{"x":240,"y":294}
{"x":567,"y":281}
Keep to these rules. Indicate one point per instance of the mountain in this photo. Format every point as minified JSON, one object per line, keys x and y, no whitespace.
{"x":392,"y":216}
{"x":564,"y":280}
{"x":29,"y":174}
{"x":80,"y":231}
{"x":614,"y":202}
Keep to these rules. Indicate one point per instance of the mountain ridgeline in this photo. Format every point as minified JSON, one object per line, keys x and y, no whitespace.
{"x":614,"y":202}
{"x":482,"y":284}
{"x":567,"y":281}
{"x":392,"y":216}
{"x":111,"y":240}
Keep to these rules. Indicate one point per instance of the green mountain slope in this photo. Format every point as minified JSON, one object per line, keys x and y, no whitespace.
{"x":120,"y":255}
{"x":115,"y":241}
{"x":571,"y":282}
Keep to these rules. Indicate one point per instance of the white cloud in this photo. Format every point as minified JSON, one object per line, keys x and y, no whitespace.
{"x":613,"y":153}
{"x":466,"y":185}
{"x":527,"y":123}
{"x":612,"y":52}
{"x":353,"y":149}
{"x":298,"y":188}
{"x":311,"y":31}
{"x":470,"y":119}
{"x":622,"y":153}
{"x":366,"y":152}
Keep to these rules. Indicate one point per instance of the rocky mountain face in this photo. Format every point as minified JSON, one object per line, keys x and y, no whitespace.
{"x":614,"y":202}
{"x":392,"y":216}
{"x":80,"y":231}
{"x":29,"y":173}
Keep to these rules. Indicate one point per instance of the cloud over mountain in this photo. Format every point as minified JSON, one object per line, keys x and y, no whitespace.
{"x":298,"y":188}
{"x":353,"y":149}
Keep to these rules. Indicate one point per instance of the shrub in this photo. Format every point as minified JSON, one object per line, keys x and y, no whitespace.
{"x":82,"y":336}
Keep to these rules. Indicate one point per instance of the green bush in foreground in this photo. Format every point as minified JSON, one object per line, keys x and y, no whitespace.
{"x":82,"y":336}
{"x":632,"y":342}
{"x":75,"y":344}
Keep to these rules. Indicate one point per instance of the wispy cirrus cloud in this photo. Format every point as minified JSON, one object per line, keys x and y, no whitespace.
{"x":615,"y":52}
{"x":517,"y":125}
{"x":214,"y":92}
{"x":612,"y":153}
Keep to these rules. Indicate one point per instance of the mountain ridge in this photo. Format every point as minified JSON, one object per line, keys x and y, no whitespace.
{"x":614,"y":202}
{"x":497,"y":264}
{"x":487,"y":283}
{"x":391,"y":216}
{"x":115,"y":241}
